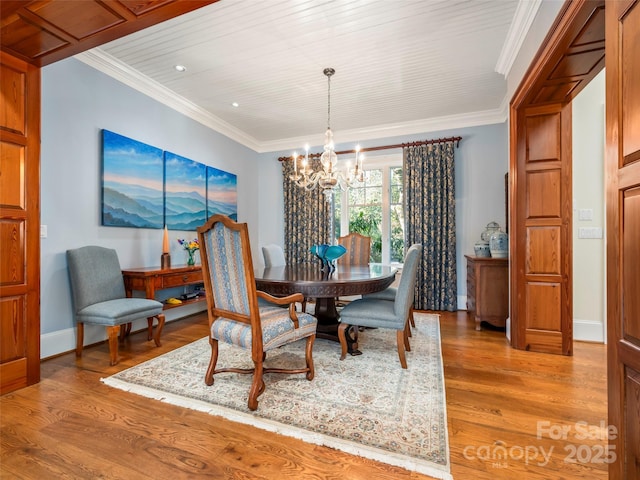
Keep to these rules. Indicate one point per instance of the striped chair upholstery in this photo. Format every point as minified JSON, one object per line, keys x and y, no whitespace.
{"x":235,"y":315}
{"x":358,"y":249}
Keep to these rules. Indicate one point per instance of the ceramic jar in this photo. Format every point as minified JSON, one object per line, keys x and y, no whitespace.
{"x":499,"y":244}
{"x":481,"y":249}
{"x":490,"y":229}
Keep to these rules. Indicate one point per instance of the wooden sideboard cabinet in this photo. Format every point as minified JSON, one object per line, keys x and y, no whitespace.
{"x":488,"y":290}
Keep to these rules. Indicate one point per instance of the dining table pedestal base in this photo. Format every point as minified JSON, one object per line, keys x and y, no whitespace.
{"x":328,"y":321}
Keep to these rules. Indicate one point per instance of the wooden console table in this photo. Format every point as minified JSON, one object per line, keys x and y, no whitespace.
{"x":150,"y":279}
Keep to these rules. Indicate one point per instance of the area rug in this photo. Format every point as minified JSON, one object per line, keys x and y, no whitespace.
{"x":366,"y":405}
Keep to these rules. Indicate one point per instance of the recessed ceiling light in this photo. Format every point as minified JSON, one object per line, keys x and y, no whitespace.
{"x":235,"y":104}
{"x":180,"y":68}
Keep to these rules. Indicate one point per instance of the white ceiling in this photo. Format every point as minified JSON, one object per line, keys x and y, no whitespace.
{"x":402,"y":66}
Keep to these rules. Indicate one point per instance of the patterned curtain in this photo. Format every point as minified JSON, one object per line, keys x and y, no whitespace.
{"x":430,"y":220}
{"x":307,"y":216}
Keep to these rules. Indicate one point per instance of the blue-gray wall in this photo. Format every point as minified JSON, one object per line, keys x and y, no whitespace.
{"x":78,"y":102}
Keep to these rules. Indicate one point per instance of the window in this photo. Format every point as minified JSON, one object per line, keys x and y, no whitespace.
{"x":374,"y":208}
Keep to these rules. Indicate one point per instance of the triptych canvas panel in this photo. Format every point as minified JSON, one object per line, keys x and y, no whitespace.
{"x":146,"y":187}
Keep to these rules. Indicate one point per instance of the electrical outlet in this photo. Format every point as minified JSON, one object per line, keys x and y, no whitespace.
{"x":589,"y":232}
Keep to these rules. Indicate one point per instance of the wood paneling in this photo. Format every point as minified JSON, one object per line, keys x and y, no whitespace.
{"x":19,"y":225}
{"x":578,"y":55}
{"x":12,"y":180}
{"x":12,"y":108}
{"x":623,"y":233}
{"x":630,"y":93}
{"x":543,"y":232}
{"x":544,"y":201}
{"x":543,"y":250}
{"x":630,"y":270}
{"x":41,"y":32}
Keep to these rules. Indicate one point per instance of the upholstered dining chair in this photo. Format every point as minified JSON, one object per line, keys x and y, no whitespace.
{"x":99,"y":298}
{"x":389,"y":294}
{"x":273,"y":256}
{"x":358,"y":249}
{"x":358,"y":253}
{"x":380,"y":313}
{"x":235,"y":317}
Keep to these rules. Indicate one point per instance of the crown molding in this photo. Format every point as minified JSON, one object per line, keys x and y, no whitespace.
{"x":448,"y":122}
{"x":522,"y":19}
{"x":109,"y":65}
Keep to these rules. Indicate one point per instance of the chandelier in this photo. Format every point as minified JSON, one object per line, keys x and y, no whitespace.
{"x":330,"y":177}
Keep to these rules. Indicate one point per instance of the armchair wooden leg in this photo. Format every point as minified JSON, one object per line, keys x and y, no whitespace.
{"x":257,"y":386}
{"x":308,"y":354}
{"x":159,"y":328}
{"x":407,"y":334}
{"x":112,"y":333}
{"x":343,"y":339}
{"x":211,"y":369}
{"x":413,"y":321}
{"x":79,"y":339}
{"x":400,"y":334}
{"x":150,"y":328}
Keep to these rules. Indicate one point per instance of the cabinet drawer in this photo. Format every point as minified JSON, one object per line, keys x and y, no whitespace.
{"x":181,"y":279}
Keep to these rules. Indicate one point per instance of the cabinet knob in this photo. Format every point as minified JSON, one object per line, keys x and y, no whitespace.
{"x":185,"y":278}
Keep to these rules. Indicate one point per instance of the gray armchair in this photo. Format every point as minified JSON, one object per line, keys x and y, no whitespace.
{"x":99,"y":298}
{"x":381,"y":313}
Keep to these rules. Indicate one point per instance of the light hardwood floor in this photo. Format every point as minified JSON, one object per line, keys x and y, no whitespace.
{"x":499,"y":400}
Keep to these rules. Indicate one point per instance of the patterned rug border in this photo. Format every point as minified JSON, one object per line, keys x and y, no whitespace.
{"x":413,"y":464}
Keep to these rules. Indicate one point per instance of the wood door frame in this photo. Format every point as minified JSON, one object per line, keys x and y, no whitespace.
{"x":542,"y":86}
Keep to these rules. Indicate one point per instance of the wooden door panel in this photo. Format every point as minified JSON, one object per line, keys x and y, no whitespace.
{"x":630,"y":270}
{"x":622,"y":165}
{"x":544,"y":186}
{"x":543,"y":250}
{"x":543,"y":137}
{"x":544,"y":229}
{"x":19,"y":224}
{"x":12,"y":178}
{"x":630,"y":93}
{"x":12,"y":108}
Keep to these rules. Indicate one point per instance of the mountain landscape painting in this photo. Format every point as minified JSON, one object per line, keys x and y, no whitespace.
{"x":185,"y":192}
{"x":132,"y":183}
{"x":222,"y":193}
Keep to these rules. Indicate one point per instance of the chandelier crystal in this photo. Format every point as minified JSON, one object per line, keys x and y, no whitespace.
{"x":330,"y":177}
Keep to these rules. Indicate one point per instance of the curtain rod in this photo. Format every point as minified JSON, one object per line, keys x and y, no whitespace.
{"x":386,"y":147}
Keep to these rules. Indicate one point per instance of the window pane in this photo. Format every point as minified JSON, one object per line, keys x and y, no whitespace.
{"x":396,"y":216}
{"x":367,"y":220}
{"x":397,"y":234}
{"x":374,"y":195}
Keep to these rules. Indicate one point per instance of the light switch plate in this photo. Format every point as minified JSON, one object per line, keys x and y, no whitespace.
{"x":43,"y":231}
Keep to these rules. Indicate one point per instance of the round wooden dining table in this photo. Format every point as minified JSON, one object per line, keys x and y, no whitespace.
{"x":308,"y":279}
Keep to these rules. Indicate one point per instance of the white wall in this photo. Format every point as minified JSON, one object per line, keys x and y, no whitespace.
{"x":481,"y":163}
{"x":588,"y":194}
{"x":77,"y":103}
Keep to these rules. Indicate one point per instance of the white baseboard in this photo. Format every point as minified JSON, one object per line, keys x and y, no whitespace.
{"x":588,"y":331}
{"x":462,"y":302}
{"x":64,"y":341}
